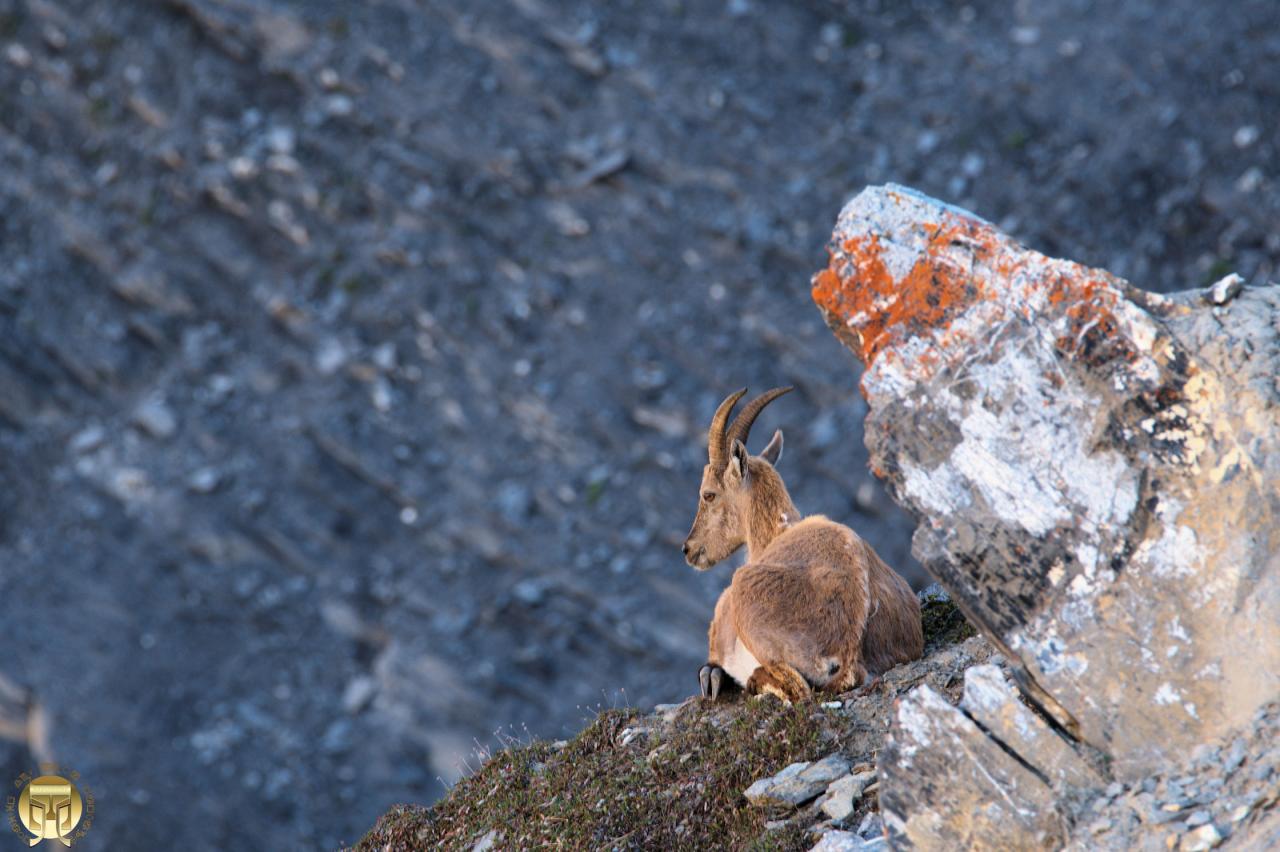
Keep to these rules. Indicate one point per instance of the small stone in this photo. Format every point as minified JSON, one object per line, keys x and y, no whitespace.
{"x":630,"y":735}
{"x":839,"y":841}
{"x":1236,"y":756}
{"x":1025,"y":36}
{"x":530,"y":592}
{"x":242,"y":168}
{"x":156,"y":418}
{"x":1251,"y":180}
{"x":668,"y":712}
{"x":421,"y":197}
{"x":54,"y":37}
{"x":204,"y":481}
{"x":843,"y":792}
{"x":872,"y":825}
{"x":339,"y":106}
{"x":283,"y":164}
{"x":1204,"y":837}
{"x":798,"y":783}
{"x":1245,"y":136}
{"x":88,"y":439}
{"x":358,"y":694}
{"x":514,"y":501}
{"x":1205,"y":755}
{"x":330,"y":356}
{"x":384,"y":355}
{"x":1160,"y":816}
{"x":17,"y":55}
{"x":131,"y":484}
{"x":487,"y":842}
{"x":972,"y":164}
{"x":1198,"y":818}
{"x":1224,"y":290}
{"x":281,"y":140}
{"x":1240,"y":813}
{"x":1115,"y":788}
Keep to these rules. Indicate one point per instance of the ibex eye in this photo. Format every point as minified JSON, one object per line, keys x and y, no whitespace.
{"x":708,"y":496}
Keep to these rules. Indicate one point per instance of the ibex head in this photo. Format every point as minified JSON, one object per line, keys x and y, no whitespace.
{"x":734,"y":483}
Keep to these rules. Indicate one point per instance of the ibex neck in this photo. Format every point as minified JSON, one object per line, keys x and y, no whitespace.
{"x":769,"y":517}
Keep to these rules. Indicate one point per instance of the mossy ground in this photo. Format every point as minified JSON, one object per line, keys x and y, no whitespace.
{"x":671,"y":786}
{"x":637,"y":780}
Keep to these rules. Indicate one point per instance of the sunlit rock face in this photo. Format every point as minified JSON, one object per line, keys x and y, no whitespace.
{"x":1095,"y":471}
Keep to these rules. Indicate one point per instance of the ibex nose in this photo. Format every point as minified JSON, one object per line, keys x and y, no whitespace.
{"x":685,"y":548}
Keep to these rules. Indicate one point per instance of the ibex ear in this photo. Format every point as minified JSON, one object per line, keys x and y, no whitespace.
{"x":773,"y":452}
{"x":735,"y":473}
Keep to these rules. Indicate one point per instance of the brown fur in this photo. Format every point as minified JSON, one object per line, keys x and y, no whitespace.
{"x":814,"y":605}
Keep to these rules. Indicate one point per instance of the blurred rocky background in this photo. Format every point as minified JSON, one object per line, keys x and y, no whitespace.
{"x":355,"y":358}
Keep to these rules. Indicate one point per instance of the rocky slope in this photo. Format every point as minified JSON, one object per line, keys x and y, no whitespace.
{"x":737,"y":774}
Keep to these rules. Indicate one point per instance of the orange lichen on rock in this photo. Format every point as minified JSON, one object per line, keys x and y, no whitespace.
{"x":1088,"y":300}
{"x":858,"y":289}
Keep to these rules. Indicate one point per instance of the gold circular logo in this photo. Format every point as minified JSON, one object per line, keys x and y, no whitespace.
{"x":50,"y":808}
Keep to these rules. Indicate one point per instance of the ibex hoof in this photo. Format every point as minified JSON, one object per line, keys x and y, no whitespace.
{"x":710,"y":678}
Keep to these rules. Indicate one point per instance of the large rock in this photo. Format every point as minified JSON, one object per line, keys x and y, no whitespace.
{"x":1094,"y":469}
{"x":947,"y":784}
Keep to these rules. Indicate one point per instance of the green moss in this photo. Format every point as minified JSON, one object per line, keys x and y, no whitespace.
{"x":676,"y":786}
{"x":944,"y":623}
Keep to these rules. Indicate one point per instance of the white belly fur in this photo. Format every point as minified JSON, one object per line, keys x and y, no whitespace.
{"x":740,"y":664}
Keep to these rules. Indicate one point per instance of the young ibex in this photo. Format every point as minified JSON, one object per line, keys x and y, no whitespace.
{"x":814,"y":607}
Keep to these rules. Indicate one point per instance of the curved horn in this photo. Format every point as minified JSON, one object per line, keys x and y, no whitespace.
{"x":717,"y":446}
{"x":741,"y":427}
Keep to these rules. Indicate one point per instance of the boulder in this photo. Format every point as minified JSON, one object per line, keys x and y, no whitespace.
{"x":1094,"y":471}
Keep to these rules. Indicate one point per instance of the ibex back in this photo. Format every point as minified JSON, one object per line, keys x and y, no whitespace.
{"x":814,"y":607}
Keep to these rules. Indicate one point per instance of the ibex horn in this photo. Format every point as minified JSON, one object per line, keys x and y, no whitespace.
{"x":717,"y":445}
{"x":741,"y":427}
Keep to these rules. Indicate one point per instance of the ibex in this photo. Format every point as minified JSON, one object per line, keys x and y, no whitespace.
{"x":814,"y":607}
